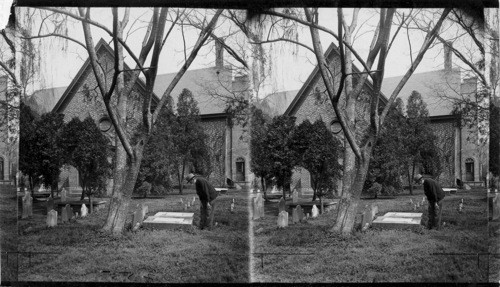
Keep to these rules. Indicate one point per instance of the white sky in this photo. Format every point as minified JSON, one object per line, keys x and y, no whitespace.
{"x":289,"y":71}
{"x":4,"y":12}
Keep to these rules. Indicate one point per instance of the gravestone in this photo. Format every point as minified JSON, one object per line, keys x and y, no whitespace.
{"x":144,"y":210}
{"x":137,"y":219}
{"x":84,"y":211}
{"x":300,"y":213}
{"x":274,"y":190}
{"x":26,"y":206}
{"x":30,"y":206}
{"x":64,"y":215}
{"x":167,"y":220}
{"x":295,"y":196}
{"x":255,"y":208}
{"x":397,"y":220}
{"x":374,"y":211}
{"x":496,"y":207}
{"x":231,"y":208}
{"x":281,"y":205}
{"x":69,"y":211}
{"x":52,"y":218}
{"x":314,"y":211}
{"x":193,"y":201}
{"x":308,"y":215}
{"x":260,"y":202}
{"x":50,"y":204}
{"x":366,"y":218}
{"x":282,"y":219}
{"x":64,"y":195}
{"x":188,"y":204}
{"x":295,"y":215}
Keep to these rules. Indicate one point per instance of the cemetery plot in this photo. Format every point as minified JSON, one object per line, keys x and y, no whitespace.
{"x":394,"y":220}
{"x":167,"y":220}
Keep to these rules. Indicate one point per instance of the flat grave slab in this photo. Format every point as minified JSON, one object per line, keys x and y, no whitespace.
{"x":450,"y":190}
{"x":173,"y":220}
{"x":398,"y":220}
{"x":221,"y":190}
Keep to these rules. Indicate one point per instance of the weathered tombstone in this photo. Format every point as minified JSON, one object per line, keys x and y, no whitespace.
{"x":282,"y":219}
{"x":137,"y":219}
{"x":300,"y":213}
{"x":188,"y":204}
{"x":274,"y":190}
{"x":50,"y":204}
{"x":84,"y":210}
{"x":467,"y":187}
{"x":418,"y":205}
{"x":52,"y":218}
{"x":260,"y":204}
{"x":308,"y":215}
{"x":295,"y":215}
{"x":295,"y":196}
{"x":64,"y":215}
{"x":25,"y":203}
{"x":144,"y":210}
{"x":193,"y":201}
{"x":374,"y":211}
{"x":366,"y":218}
{"x":69,"y":211}
{"x":64,"y":195}
{"x":460,"y":207}
{"x":281,"y":205}
{"x":314,"y":211}
{"x":231,"y":208}
{"x":255,"y":208}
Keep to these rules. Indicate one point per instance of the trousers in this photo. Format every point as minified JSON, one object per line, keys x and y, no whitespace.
{"x":433,"y":213}
{"x":207,"y":213}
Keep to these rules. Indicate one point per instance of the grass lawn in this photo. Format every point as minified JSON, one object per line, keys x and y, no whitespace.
{"x":83,"y":253}
{"x":308,"y":252}
{"x":8,"y":233}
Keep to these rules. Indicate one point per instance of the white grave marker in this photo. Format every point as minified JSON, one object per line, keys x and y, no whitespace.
{"x":84,"y":211}
{"x":314,"y":211}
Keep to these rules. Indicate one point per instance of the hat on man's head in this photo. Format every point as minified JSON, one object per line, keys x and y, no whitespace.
{"x":417,"y":177}
{"x":189,"y":177}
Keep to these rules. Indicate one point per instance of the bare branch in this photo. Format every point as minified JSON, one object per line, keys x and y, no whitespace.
{"x":283,"y":40}
{"x":55,"y":35}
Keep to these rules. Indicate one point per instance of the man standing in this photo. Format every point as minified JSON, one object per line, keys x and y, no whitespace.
{"x":434,"y":194}
{"x":207,"y":194}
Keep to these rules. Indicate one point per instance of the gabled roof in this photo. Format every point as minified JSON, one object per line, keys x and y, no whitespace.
{"x":331,"y":52}
{"x":207,"y":85}
{"x":434,"y":87}
{"x":43,"y":101}
{"x":276,"y":103}
{"x":69,"y":93}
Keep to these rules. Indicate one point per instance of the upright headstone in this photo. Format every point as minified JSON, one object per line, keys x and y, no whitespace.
{"x":52,"y":218}
{"x":374,"y":211}
{"x":260,"y":204}
{"x":255,"y":208}
{"x":282,"y":219}
{"x":281,"y":205}
{"x":274,"y":190}
{"x":64,"y":195}
{"x":69,"y":211}
{"x":188,"y":204}
{"x":25,"y":206}
{"x":84,"y":211}
{"x":295,"y":196}
{"x":295,"y":216}
{"x":50,"y":204}
{"x":64,"y":215}
{"x":231,"y":208}
{"x":144,"y":210}
{"x":137,"y":219}
{"x":300,"y":213}
{"x":314,"y":211}
{"x":30,"y":206}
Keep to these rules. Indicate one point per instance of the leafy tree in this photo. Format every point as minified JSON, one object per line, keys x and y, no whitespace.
{"x":156,"y":167}
{"x":50,"y":154}
{"x":27,"y":146}
{"x":282,"y":156}
{"x":189,"y":139}
{"x":87,"y":150}
{"x":318,"y":151}
{"x":420,"y":139}
{"x":390,"y":152}
{"x":259,"y":154}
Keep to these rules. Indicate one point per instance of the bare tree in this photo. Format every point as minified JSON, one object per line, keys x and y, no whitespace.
{"x":130,"y":145}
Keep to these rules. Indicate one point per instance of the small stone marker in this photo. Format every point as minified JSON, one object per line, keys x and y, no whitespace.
{"x":52,"y":218}
{"x":69,"y":211}
{"x":144,"y":210}
{"x":231,"y":208}
{"x":295,"y":215}
{"x":366,"y":219}
{"x":193,"y":201}
{"x":255,"y":209}
{"x":137,"y":219}
{"x":418,"y":205}
{"x":295,"y":196}
{"x":260,"y":204}
{"x":84,"y":211}
{"x":50,"y":204}
{"x":188,"y":204}
{"x":26,"y":206}
{"x":314,"y":211}
{"x":300,"y":212}
{"x":374,"y":211}
{"x":281,"y":205}
{"x":282,"y":219}
{"x":64,"y":195}
{"x":274,"y":190}
{"x":460,"y":207}
{"x":64,"y":215}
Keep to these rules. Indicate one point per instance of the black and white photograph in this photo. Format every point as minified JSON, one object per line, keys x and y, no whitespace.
{"x":250,"y":144}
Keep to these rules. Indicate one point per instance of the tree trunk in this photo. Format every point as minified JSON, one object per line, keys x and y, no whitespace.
{"x":348,"y":204}
{"x":410,"y":183}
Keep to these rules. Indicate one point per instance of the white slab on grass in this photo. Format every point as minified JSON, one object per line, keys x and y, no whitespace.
{"x":174,"y":214}
{"x":398,"y":220}
{"x":167,"y":222}
{"x":450,"y":190}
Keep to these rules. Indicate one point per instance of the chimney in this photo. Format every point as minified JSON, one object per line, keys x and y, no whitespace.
{"x":219,"y":55}
{"x":447,"y":55}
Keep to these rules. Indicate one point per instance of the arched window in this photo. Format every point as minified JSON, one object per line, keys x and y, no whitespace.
{"x":469,"y":169}
{"x":1,"y":168}
{"x":240,"y":169}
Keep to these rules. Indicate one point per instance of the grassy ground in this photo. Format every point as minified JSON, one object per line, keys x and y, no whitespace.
{"x":308,"y":252}
{"x":8,"y":233}
{"x":494,"y":247}
{"x":86,"y":254}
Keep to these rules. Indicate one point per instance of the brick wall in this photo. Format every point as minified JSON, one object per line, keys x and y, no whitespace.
{"x":216,"y":131}
{"x":445,"y":132}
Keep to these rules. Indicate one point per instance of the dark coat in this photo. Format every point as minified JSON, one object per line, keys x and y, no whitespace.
{"x":205,"y":191}
{"x":433,"y":190}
